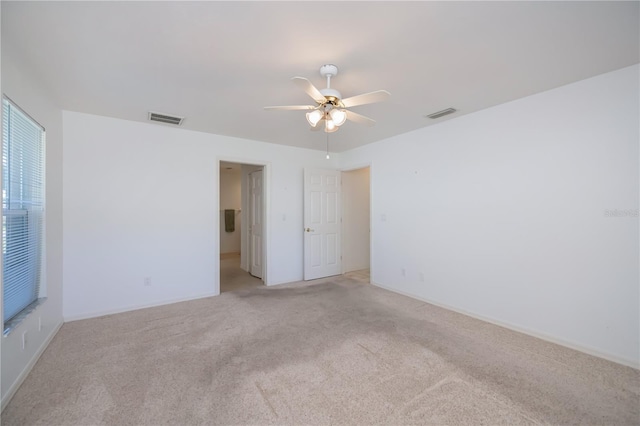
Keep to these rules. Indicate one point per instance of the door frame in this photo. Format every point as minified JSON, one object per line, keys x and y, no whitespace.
{"x":350,"y":168}
{"x":266,"y":197}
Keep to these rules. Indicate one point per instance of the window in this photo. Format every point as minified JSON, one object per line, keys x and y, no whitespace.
{"x":22,"y":208}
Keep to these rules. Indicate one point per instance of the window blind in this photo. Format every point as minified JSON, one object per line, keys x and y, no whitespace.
{"x":22,"y":208}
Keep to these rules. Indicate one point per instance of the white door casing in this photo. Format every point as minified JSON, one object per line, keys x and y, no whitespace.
{"x":322,"y":227}
{"x":255,"y":223}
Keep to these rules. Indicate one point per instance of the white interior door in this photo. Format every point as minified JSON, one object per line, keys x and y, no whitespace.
{"x":255,"y":224}
{"x":322,"y":212}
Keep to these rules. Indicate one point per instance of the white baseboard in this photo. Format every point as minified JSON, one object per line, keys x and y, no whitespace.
{"x":27,"y":369}
{"x":354,"y":269}
{"x":549,"y":338}
{"x":89,"y":315}
{"x":272,"y":283}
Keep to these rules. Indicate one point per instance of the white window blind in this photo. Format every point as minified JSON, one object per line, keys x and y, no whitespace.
{"x":22,"y":208}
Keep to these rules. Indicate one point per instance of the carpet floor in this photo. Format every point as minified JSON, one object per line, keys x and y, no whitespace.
{"x":232,"y":277}
{"x":336,"y":352}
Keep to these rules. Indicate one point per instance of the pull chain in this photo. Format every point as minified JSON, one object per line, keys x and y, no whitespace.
{"x":328,"y":146}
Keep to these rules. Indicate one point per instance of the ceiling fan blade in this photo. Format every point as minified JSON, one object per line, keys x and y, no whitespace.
{"x":359,"y":118}
{"x":366,"y":98}
{"x":291,"y":107}
{"x":310,"y":89}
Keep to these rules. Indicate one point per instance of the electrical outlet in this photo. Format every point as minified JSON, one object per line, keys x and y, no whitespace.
{"x":147,"y":281}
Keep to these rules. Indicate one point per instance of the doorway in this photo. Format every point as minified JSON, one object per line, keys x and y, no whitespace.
{"x":241,"y":192}
{"x":356,"y":224}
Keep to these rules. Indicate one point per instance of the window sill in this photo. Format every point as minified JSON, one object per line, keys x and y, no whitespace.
{"x":10,"y":325}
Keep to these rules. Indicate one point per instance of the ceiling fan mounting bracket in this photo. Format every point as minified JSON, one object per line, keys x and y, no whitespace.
{"x":328,"y":70}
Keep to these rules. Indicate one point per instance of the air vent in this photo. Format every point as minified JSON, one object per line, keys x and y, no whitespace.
{"x":442,"y":113}
{"x":165,"y":118}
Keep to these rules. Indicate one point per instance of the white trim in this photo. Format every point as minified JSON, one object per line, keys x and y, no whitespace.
{"x":134,"y":308}
{"x":27,"y":369}
{"x":292,"y":282}
{"x":575,"y":346}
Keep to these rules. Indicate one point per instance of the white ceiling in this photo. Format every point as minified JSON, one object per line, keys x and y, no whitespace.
{"x":219,"y":63}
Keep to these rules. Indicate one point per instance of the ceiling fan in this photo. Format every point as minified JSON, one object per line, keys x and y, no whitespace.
{"x":330,"y":107}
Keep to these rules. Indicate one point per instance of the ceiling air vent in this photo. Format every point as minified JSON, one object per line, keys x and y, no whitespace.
{"x":165,"y":118}
{"x":442,"y":113}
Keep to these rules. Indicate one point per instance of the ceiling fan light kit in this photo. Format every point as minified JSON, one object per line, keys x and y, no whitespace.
{"x":330,"y":107}
{"x":338,"y":116}
{"x":314,"y":117}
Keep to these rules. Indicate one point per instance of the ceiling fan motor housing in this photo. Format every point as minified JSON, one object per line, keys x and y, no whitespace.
{"x":332,"y":95}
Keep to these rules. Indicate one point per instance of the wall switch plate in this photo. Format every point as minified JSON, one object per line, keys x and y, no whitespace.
{"x":24,"y":340}
{"x":147,"y":281}
{"x":39,"y":323}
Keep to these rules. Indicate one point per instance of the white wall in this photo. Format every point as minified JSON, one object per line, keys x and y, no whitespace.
{"x":25,"y":90}
{"x":503,"y":212}
{"x":355,"y":220}
{"x":141,"y":200}
{"x":230,"y":198}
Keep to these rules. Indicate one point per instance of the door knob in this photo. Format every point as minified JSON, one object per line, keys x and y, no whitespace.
{"x":308,"y":229}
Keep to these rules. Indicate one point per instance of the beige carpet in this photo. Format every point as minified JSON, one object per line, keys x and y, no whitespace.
{"x":338,"y":352}
{"x":361,"y":275}
{"x":232,"y":277}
